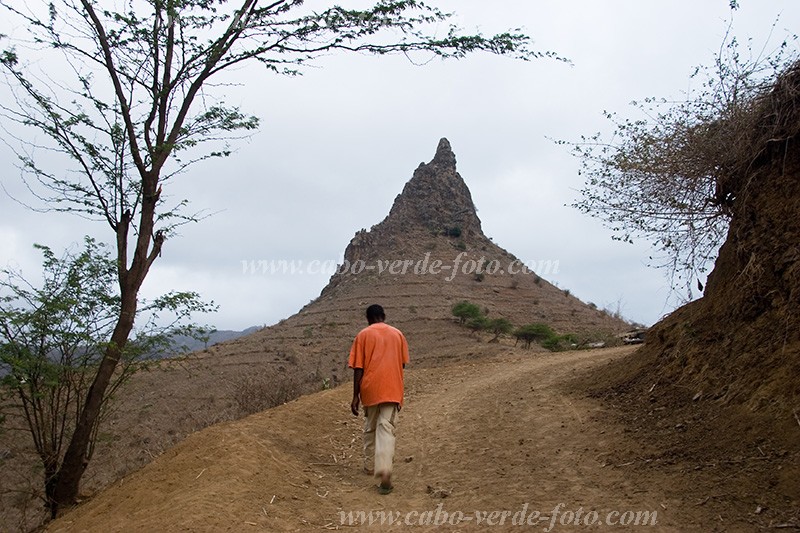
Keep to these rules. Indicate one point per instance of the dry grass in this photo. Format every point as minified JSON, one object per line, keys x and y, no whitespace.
{"x":265,"y":390}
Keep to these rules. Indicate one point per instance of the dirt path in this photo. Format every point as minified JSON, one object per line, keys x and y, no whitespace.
{"x":492,"y":436}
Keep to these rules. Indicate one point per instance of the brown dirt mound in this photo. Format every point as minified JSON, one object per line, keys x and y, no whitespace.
{"x":741,"y":466}
{"x":741,"y":341}
{"x":739,"y":345}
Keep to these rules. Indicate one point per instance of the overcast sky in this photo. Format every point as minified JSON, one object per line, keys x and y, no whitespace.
{"x":337,"y":145}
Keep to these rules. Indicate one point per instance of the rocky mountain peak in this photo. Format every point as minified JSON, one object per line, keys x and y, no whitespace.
{"x":436,"y":198}
{"x":444,"y":155}
{"x":434,"y":201}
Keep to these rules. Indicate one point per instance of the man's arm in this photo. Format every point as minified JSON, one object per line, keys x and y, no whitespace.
{"x":358,"y":373}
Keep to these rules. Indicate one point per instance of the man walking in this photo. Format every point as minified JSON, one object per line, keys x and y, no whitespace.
{"x":378,"y":357}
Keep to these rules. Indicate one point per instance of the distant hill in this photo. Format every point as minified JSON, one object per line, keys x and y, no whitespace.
{"x":184,"y":344}
{"x":190,"y":344}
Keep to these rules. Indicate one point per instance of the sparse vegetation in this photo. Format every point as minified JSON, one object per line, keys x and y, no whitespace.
{"x":614,"y":310}
{"x":559,"y":343}
{"x":453,"y":231}
{"x":546,"y":337}
{"x":258,"y":392}
{"x":499,"y":326}
{"x":477,"y":320}
{"x":533,"y":333}
{"x":478,"y":323}
{"x":466,"y":311}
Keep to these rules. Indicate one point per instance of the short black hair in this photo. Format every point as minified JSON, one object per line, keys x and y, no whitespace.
{"x":375,"y":313}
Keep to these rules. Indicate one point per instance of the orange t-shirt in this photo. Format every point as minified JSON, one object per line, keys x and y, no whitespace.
{"x":381,"y":350}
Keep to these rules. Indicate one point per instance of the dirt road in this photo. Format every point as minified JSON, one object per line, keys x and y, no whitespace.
{"x":478,"y":444}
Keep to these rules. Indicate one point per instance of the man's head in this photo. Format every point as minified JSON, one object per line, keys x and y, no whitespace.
{"x":375,"y":314}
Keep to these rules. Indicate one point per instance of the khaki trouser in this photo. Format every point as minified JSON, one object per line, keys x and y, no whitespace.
{"x":379,"y":437}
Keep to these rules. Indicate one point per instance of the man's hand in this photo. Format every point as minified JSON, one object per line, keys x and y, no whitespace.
{"x":358,"y":374}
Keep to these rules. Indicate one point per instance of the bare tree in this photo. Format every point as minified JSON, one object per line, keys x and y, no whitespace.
{"x":668,"y":176}
{"x":721,"y":169}
{"x":134,"y":112}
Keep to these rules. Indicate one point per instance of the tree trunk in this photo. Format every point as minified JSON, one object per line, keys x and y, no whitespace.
{"x":63,"y":492}
{"x":50,"y":479}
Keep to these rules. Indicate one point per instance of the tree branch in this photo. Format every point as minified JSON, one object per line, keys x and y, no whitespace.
{"x":113,"y":74}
